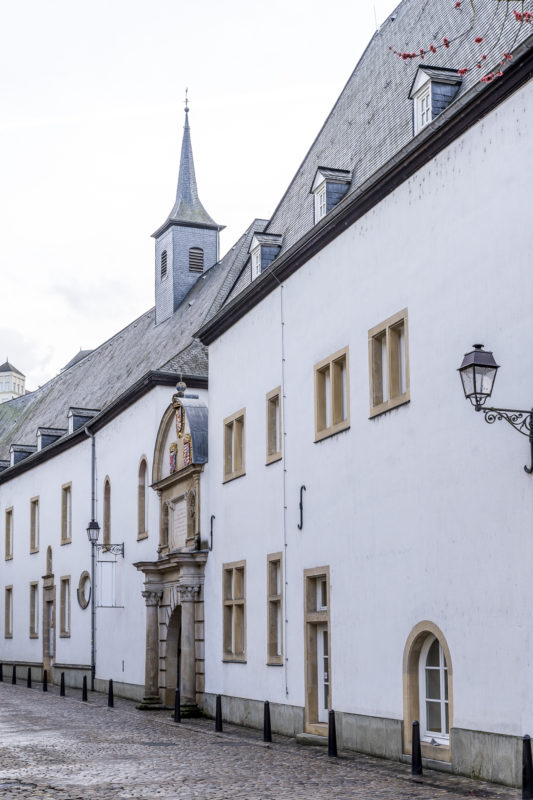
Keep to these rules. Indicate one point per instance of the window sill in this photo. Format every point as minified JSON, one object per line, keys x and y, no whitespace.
{"x":64,"y":635}
{"x":234,"y":659}
{"x":66,"y":541}
{"x":33,"y":550}
{"x":34,"y":635}
{"x":376,"y":411}
{"x":435,"y":752}
{"x":9,"y":558}
{"x":275,"y":662}
{"x":272,"y":459}
{"x":332,"y":430}
{"x":231,"y":477}
{"x":141,"y":536}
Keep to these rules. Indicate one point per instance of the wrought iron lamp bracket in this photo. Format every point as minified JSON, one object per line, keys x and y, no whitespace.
{"x":521,"y":421}
{"x":114,"y":549}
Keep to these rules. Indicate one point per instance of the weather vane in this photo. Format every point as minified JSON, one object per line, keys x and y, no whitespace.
{"x":186,"y":100}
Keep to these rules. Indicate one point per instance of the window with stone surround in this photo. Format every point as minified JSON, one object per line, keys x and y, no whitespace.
{"x":234,"y":446}
{"x":234,"y":611}
{"x":34,"y":610}
{"x":275,"y":610}
{"x":332,"y":395}
{"x":8,"y":612}
{"x":389,"y":364}
{"x":66,"y":513}
{"x":64,"y":606}
{"x":273,"y":423}
{"x":34,"y":525}
{"x":9,"y":533}
{"x":142,"y":500}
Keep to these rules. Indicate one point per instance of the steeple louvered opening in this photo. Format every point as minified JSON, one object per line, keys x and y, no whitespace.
{"x":164,"y":264}
{"x":196,"y":259}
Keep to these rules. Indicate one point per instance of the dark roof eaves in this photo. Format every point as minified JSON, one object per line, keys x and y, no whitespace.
{"x":463,"y":113}
{"x":126,"y":399}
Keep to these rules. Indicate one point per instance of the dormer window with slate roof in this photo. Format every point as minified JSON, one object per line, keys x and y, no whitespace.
{"x":329,"y":186}
{"x":432,"y":91}
{"x":263,"y":250}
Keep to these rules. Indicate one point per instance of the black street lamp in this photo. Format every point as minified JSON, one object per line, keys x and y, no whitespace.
{"x":478,"y":373}
{"x":93,"y":532}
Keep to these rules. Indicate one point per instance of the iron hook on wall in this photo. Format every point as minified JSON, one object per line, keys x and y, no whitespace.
{"x":301,"y":523}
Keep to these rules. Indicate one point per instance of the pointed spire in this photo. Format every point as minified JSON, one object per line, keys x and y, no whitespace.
{"x":188,"y":207}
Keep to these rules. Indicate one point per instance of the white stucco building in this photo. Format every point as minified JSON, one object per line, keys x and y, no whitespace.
{"x":12,"y":382}
{"x":319,"y":519}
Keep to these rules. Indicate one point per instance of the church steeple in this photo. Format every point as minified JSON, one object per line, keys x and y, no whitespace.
{"x":187,"y":242}
{"x":188,"y":207}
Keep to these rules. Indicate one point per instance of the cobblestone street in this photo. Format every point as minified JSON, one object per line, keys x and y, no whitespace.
{"x":63,"y":749}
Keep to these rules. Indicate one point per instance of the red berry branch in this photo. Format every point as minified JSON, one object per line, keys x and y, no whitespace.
{"x":521,"y":17}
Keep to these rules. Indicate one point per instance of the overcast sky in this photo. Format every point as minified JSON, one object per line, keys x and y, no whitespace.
{"x":91,"y":120}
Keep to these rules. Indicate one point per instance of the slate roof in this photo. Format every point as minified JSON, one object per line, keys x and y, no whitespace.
{"x":372,"y":119}
{"x":7,"y":367}
{"x":106,"y":373}
{"x":77,"y":357}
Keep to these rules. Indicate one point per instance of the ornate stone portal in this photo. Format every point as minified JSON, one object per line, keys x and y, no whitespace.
{"x":174,"y":583}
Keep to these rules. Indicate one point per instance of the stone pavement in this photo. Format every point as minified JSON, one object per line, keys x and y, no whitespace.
{"x":55,"y":748}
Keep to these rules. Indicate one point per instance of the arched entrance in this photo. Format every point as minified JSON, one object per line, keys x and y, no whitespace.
{"x":173,"y":656}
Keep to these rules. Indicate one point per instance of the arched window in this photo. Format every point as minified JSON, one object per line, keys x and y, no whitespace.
{"x":428,"y":690}
{"x":196,"y":259}
{"x":164,"y":257}
{"x":433,"y":685}
{"x":142,"y":501}
{"x":107,"y":512}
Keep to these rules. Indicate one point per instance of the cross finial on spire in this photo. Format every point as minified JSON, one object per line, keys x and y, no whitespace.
{"x":186,"y":101}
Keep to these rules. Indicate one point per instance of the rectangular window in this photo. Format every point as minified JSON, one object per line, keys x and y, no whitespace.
{"x":234,"y":611}
{"x":34,"y":525}
{"x":66,"y":513}
{"x":332,"y":395}
{"x":389,"y":364}
{"x":64,"y":608}
{"x":275,"y":610}
{"x":320,"y":203}
{"x":273,"y":421}
{"x":234,"y":446}
{"x":34,"y":610}
{"x":256,"y":263}
{"x":9,"y":533}
{"x":8,"y":618}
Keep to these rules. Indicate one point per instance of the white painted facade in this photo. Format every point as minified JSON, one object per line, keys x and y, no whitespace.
{"x":424,"y":512}
{"x":120,"y":630}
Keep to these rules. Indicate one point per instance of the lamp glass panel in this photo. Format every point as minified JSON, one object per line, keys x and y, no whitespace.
{"x":484,"y":380}
{"x":467,"y":377}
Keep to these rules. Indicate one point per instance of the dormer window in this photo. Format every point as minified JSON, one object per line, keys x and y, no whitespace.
{"x":329,"y":186}
{"x":263,"y":250}
{"x":164,"y":266}
{"x":432,"y":91}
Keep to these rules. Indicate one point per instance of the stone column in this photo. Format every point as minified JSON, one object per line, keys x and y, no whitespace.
{"x":188,"y":655}
{"x":151,"y":697}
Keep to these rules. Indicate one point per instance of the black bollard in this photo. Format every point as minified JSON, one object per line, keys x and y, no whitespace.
{"x":28,"y":679}
{"x":218,"y":714}
{"x":177,"y":707}
{"x":332,"y":735}
{"x":527,"y":769}
{"x":1,"y":672}
{"x":267,"y":730}
{"x":110,"y":698}
{"x":416,"y":752}
{"x":45,"y":681}
{"x":62,"y":685}
{"x":14,"y":676}
{"x":84,"y":689}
